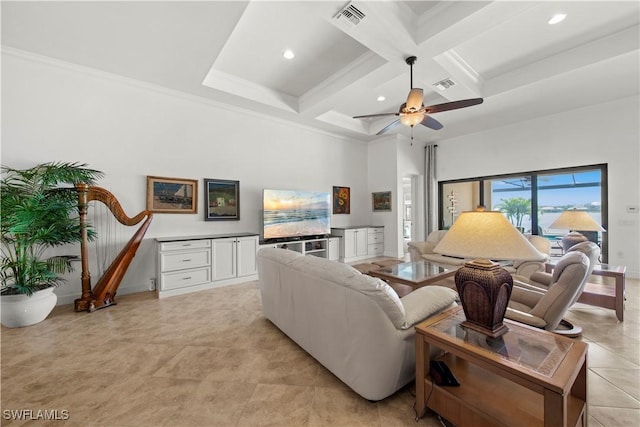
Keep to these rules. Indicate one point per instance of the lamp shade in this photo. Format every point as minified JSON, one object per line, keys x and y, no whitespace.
{"x":487,"y":235}
{"x":576,"y":220}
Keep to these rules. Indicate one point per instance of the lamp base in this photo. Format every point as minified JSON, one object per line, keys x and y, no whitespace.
{"x":493,"y":332}
{"x":484,"y":289}
{"x":571,"y":239}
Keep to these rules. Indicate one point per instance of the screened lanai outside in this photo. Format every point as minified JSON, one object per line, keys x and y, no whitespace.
{"x":532,"y":201}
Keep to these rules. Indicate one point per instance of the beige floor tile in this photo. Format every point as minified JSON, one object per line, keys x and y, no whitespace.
{"x":212,"y":359}
{"x":615,"y":417}
{"x":334,"y":407}
{"x":278,"y":405}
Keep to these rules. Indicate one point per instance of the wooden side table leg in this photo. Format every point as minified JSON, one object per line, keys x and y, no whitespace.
{"x":422,"y":363}
{"x":620,"y":295}
{"x":555,"y":409}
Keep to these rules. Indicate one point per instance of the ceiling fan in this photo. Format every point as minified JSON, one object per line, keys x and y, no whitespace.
{"x":414,"y":112}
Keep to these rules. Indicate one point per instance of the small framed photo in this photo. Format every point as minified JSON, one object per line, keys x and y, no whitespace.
{"x":381,"y":201}
{"x":222,"y":200}
{"x":172,"y":195}
{"x":341,"y":200}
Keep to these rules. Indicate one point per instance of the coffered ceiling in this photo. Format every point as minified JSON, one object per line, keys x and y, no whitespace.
{"x":231,"y":53}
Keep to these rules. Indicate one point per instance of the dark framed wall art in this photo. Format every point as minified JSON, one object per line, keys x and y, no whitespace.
{"x":341,"y":200}
{"x":172,"y":195}
{"x":222,"y":200}
{"x":381,"y":201}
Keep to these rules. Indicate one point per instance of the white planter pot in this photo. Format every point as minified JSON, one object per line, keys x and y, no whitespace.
{"x":23,"y":310}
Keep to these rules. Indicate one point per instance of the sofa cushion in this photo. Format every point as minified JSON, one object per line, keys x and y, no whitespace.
{"x":426,"y":301}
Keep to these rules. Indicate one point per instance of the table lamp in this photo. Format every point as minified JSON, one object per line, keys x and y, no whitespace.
{"x":575,"y":221}
{"x":483,"y":286}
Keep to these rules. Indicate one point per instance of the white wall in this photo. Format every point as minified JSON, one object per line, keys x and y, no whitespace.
{"x":606,"y":133}
{"x":54,"y":111}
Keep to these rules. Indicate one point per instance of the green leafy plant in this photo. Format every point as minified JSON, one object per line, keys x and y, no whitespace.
{"x":39,"y":212}
{"x":515,"y":209}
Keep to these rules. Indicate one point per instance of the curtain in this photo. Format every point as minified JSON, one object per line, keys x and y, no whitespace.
{"x":430,"y":190}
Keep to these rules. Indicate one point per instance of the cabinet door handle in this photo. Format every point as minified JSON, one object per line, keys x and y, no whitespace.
{"x":186,"y":244}
{"x":186,"y":260}
{"x":186,"y":278}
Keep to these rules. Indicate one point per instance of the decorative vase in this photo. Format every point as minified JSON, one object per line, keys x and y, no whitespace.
{"x":484,"y":289}
{"x":23,"y":310}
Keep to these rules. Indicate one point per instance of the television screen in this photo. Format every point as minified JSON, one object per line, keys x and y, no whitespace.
{"x":289,"y":213}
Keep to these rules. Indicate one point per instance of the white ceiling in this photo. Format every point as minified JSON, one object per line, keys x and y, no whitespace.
{"x":231,"y":52}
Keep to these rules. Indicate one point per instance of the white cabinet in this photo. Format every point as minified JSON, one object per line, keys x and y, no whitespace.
{"x":375,"y":241}
{"x":183,"y":264}
{"x":356,"y":244}
{"x":189,"y":264}
{"x":334,"y":248}
{"x":234,"y":257}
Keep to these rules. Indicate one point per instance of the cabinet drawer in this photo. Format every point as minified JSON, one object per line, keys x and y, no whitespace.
{"x":181,"y":279}
{"x":376,"y":249}
{"x":376,"y":238}
{"x":181,"y":260}
{"x":185,"y":244}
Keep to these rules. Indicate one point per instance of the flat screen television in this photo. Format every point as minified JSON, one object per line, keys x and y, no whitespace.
{"x":295,"y":214}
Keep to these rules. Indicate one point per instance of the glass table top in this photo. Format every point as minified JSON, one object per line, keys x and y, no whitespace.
{"x":415,"y":271}
{"x":530,"y":349}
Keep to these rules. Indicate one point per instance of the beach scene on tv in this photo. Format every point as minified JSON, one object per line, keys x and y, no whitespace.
{"x":290,"y":213}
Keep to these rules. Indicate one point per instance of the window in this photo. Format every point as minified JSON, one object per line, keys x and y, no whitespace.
{"x":532,"y":200}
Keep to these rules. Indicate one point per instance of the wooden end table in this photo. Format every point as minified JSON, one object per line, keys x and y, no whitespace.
{"x":526,"y":377}
{"x":601,"y":295}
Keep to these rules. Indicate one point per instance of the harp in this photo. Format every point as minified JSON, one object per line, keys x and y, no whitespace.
{"x":102,"y":295}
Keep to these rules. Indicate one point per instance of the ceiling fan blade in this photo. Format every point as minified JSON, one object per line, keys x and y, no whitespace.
{"x":388,"y":127}
{"x":376,"y":115}
{"x":453,"y":105}
{"x":431,"y":123}
{"x":414,"y":100}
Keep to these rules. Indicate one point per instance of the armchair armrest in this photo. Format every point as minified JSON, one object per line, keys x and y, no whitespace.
{"x":527,"y":268}
{"x":529,"y":297}
{"x":526,"y":318}
{"x":541,"y":279}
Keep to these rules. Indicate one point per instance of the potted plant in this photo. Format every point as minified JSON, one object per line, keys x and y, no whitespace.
{"x":38,"y":208}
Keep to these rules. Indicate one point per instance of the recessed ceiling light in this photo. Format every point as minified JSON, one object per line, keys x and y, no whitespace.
{"x":381,"y":98}
{"x":558,"y":17}
{"x":288,"y":54}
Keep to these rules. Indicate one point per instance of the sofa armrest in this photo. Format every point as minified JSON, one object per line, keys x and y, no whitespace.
{"x":425,"y":302}
{"x":422,"y":247}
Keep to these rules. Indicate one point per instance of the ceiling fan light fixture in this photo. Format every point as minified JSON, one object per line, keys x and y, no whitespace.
{"x":412,"y":119}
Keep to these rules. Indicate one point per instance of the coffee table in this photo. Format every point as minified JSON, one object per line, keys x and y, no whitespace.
{"x":415,"y":274}
{"x":526,"y":377}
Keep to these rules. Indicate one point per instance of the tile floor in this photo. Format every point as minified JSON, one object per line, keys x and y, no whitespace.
{"x":211,"y":359}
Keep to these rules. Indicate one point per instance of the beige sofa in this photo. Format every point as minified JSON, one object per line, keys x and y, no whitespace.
{"x":353,"y":324}
{"x":424,"y":250}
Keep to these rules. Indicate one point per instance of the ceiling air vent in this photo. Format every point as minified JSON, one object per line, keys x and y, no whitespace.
{"x":350,"y":14}
{"x":444,"y":84}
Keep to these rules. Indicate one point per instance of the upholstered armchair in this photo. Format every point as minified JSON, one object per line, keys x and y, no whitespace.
{"x":545,"y":308}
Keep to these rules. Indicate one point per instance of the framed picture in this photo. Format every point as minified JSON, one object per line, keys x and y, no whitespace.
{"x":341,"y":200}
{"x":381,"y":201}
{"x":172,"y":195}
{"x":222,"y":200}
